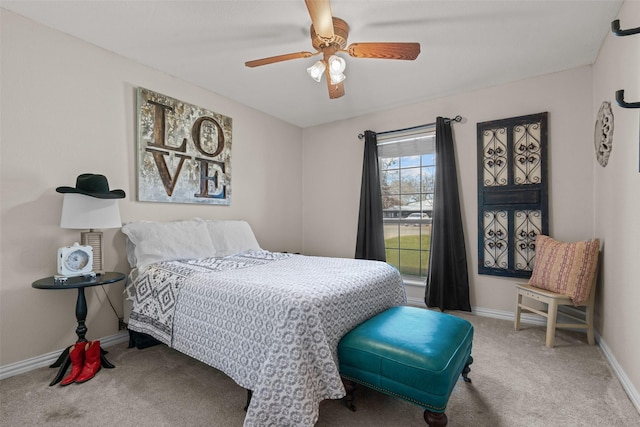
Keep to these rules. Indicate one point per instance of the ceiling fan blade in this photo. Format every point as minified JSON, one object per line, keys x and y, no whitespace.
{"x":409,"y":51}
{"x":321,"y":17}
{"x":279,"y":58}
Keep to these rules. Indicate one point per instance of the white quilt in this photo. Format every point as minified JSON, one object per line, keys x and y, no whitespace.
{"x":270,"y":321}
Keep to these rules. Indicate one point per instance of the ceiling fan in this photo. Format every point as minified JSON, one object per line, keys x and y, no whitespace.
{"x":329,"y":36}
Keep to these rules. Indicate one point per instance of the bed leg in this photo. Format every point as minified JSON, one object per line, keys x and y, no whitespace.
{"x":249,"y":394}
{"x":132,"y":342}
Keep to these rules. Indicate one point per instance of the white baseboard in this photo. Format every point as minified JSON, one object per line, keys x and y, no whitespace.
{"x":49,"y":358}
{"x":628,"y":387}
{"x":488,"y":312}
{"x":416,"y":302}
{"x":508,"y":315}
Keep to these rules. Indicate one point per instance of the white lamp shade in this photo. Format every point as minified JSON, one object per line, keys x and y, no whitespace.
{"x":337,"y":65}
{"x":337,"y":78}
{"x":86,"y":212}
{"x":316,"y":70}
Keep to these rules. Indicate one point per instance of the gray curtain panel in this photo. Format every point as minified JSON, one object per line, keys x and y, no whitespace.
{"x":448,"y":279}
{"x":370,"y":238}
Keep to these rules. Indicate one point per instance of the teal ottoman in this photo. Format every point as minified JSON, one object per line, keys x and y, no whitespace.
{"x":410,"y":353}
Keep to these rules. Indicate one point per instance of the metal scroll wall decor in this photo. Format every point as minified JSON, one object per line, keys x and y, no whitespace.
{"x":603,"y":134}
{"x":512,"y":193}
{"x":184,"y":152}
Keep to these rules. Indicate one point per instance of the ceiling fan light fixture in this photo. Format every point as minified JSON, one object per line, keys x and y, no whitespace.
{"x":337,"y":78}
{"x":329,"y":36}
{"x":337,"y":65}
{"x":316,"y":70}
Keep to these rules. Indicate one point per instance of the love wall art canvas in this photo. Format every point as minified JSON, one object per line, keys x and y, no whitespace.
{"x":183,"y":152}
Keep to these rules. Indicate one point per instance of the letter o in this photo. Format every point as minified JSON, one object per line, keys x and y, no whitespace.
{"x":195,"y":134}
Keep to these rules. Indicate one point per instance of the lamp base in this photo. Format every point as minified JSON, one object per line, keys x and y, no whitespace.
{"x":94,"y":239}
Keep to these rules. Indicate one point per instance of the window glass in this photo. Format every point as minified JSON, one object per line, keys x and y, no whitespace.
{"x":407,"y":174}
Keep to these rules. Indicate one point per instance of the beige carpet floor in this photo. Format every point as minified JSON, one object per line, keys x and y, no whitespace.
{"x":517,"y":382}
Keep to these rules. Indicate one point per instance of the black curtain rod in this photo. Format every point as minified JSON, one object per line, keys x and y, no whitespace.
{"x":457,"y":118}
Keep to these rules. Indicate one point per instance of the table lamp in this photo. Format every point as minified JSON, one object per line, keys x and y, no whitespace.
{"x":90,"y":205}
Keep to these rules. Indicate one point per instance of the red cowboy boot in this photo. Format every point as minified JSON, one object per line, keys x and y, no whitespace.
{"x":92,"y":362}
{"x":76,"y":354}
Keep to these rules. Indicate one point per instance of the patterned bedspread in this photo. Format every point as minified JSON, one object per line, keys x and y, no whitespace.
{"x":271,"y":321}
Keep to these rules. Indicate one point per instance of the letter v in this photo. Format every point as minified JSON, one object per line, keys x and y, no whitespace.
{"x":168,"y":181}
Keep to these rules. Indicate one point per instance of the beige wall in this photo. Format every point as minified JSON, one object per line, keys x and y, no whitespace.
{"x":585,"y":200}
{"x":69,"y":108}
{"x":617,"y":196}
{"x":332,"y":159}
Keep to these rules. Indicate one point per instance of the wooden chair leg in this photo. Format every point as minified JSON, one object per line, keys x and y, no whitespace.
{"x":589,"y":319}
{"x":518,"y":311}
{"x":552,"y":314}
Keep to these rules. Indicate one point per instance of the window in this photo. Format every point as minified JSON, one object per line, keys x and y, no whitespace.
{"x":407,"y":172}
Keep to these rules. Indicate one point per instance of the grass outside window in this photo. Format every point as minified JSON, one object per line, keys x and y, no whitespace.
{"x":407,"y":248}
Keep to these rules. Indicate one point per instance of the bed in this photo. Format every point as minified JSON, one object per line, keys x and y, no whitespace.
{"x":271,"y":321}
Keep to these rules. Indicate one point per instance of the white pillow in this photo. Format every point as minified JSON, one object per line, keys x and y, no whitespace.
{"x":231,"y":237}
{"x":168,"y":241}
{"x":131,"y":252}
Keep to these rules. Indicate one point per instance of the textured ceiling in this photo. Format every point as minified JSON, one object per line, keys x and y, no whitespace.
{"x":465,"y":45}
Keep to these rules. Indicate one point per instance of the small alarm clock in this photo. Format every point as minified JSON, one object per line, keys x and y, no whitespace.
{"x":75,"y":260}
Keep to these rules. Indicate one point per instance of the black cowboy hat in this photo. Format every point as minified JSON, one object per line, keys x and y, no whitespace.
{"x":92,"y":185}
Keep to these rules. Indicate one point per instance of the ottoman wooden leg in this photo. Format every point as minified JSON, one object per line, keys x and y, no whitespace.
{"x":350,"y":388}
{"x":466,"y":370}
{"x":435,"y":419}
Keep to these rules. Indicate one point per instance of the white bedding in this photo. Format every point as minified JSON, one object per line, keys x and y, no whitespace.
{"x":270,"y":321}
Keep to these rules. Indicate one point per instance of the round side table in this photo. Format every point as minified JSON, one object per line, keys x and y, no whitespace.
{"x":78,"y":283}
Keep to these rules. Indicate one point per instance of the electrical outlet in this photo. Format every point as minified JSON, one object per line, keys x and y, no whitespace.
{"x":121,"y":325}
